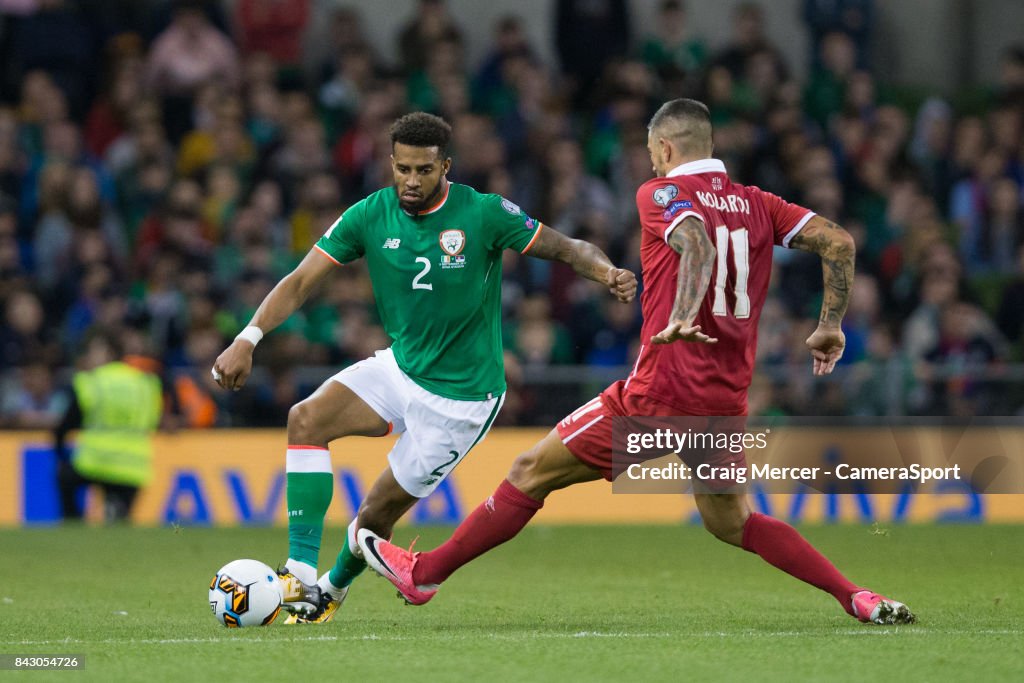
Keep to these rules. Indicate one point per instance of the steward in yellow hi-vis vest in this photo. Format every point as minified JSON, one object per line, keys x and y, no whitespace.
{"x":116,"y":408}
{"x":121,"y":407}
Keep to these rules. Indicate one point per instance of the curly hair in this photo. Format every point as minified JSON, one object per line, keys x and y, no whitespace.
{"x":420,"y":129}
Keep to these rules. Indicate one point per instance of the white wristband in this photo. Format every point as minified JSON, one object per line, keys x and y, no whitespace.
{"x":251,"y":334}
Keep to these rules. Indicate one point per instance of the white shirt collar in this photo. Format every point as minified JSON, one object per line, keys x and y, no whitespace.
{"x":695,"y":167}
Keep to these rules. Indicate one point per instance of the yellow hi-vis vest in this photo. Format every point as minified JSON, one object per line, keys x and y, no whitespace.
{"x":121,"y":407}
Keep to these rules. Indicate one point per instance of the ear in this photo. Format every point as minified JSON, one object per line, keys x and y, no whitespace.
{"x":667,"y":151}
{"x":446,"y":166}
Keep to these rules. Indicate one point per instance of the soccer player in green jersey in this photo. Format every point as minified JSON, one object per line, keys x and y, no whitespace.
{"x":433,"y":249}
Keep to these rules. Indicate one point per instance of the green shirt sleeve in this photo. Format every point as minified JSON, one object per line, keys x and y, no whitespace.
{"x":508,"y":225}
{"x":343,"y":241}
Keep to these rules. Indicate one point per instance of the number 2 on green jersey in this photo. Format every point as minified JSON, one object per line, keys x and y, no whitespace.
{"x":416,"y":284}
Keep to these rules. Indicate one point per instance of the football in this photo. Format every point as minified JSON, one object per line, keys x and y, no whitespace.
{"x":245,"y":593}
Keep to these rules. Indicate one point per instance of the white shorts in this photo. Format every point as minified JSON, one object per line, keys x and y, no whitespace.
{"x":436,"y":432}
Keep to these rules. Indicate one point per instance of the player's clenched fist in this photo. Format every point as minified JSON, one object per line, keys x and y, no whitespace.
{"x":233,"y":366}
{"x":621,"y":283}
{"x":826,"y":345}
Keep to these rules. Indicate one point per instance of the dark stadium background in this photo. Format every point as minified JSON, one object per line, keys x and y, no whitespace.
{"x":167,"y":209}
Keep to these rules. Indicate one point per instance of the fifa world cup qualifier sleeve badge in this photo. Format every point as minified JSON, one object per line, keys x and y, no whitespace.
{"x":664,"y":194}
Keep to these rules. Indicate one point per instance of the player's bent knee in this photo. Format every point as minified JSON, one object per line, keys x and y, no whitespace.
{"x":301,"y":424}
{"x":727,"y":527}
{"x":526,"y":473}
{"x":538,"y":472}
{"x":725,"y":519}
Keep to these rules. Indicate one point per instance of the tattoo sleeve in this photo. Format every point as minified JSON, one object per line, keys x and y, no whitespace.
{"x":585,"y":258}
{"x":836,"y":248}
{"x":696,"y":259}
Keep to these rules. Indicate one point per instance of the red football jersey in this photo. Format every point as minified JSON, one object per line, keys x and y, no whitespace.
{"x":744,"y":223}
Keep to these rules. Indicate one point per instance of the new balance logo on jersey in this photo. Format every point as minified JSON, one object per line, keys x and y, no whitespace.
{"x":392,"y":243}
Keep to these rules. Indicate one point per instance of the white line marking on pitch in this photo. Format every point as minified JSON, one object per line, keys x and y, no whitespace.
{"x":527,"y":636}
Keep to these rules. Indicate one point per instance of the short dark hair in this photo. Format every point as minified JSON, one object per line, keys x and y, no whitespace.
{"x":420,"y":129}
{"x":106,"y":336}
{"x":685,"y":122}
{"x":1014,"y":53}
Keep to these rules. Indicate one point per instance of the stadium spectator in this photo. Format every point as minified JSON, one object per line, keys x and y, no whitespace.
{"x":30,"y":398}
{"x":929,"y":150}
{"x":273,"y":27}
{"x":967,"y":341}
{"x":175,"y":227}
{"x":1010,"y":89}
{"x":219,"y":136}
{"x":535,"y":338}
{"x":343,"y":95}
{"x":345,"y":33}
{"x":319,"y":205}
{"x":853,"y":18}
{"x":588,"y":35}
{"x":192,"y":396}
{"x":968,"y":200}
{"x":1010,"y":311}
{"x":829,"y":83}
{"x":188,"y":54}
{"x":748,"y":37}
{"x":302,"y":154}
{"x":357,"y":152}
{"x":572,"y":194}
{"x":23,"y":330}
{"x":431,"y":25}
{"x":492,"y":82}
{"x":60,"y":39}
{"x":108,"y":116}
{"x":670,"y":50}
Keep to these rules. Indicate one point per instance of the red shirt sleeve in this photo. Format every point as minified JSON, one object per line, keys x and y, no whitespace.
{"x":663,"y":205}
{"x":787,"y":218}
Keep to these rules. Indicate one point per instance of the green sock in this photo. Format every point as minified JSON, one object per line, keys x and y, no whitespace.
{"x":310,"y":487}
{"x":347,"y":567}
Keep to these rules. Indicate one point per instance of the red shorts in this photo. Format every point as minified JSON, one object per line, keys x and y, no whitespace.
{"x":587,"y":432}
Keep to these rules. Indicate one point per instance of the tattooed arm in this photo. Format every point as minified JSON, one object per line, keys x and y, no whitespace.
{"x":586,"y":259}
{"x":837,"y":251}
{"x":696,"y":259}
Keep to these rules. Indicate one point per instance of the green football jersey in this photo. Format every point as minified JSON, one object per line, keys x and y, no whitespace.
{"x":437,"y":280}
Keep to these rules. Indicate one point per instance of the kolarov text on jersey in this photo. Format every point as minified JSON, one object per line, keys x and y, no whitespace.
{"x":744,"y":223}
{"x":436,"y":276}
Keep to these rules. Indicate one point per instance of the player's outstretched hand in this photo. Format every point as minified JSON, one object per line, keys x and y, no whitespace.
{"x":677,"y":330}
{"x":621,"y":283}
{"x":232,"y":368}
{"x":826,"y":345}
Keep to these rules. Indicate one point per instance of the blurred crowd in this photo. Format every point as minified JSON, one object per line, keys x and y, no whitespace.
{"x":164,"y":163}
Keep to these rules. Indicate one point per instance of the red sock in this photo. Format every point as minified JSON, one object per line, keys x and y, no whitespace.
{"x":494,"y":521}
{"x":782,"y":546}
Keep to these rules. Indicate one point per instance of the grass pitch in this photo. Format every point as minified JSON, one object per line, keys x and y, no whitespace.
{"x":556,"y":604}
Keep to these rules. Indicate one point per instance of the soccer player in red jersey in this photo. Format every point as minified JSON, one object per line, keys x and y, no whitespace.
{"x":706,"y":254}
